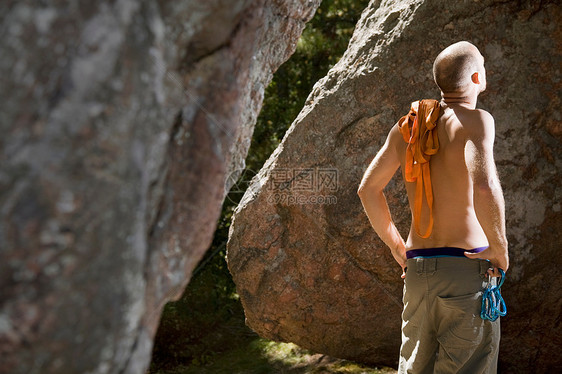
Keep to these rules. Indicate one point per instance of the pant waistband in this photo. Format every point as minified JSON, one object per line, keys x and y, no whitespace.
{"x":441,"y":252}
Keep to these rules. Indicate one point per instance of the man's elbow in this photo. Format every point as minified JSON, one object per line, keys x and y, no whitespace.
{"x":367,"y":189}
{"x":487,"y":187}
{"x":361,"y":189}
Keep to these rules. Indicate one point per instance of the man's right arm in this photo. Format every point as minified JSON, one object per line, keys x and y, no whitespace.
{"x":488,"y":197}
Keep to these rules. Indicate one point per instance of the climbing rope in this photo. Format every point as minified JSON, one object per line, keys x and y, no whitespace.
{"x":493,"y":305}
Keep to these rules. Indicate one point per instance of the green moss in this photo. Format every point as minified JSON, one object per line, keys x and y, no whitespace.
{"x":259,"y":356}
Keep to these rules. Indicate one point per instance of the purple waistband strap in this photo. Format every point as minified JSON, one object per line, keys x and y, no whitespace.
{"x":442,"y":251}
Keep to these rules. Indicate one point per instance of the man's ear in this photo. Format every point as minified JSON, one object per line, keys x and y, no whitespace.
{"x":475,"y":78}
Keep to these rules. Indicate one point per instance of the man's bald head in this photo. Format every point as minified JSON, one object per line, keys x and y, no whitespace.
{"x":454,"y":66}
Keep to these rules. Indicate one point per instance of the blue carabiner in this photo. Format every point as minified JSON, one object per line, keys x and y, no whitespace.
{"x":493,"y":304}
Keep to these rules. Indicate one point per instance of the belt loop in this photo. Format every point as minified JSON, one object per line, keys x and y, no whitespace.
{"x":420,"y":264}
{"x":432,"y":265}
{"x":484,"y":266}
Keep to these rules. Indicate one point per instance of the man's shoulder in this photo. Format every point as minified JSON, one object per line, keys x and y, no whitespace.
{"x":479,"y":124}
{"x":394,"y":135}
{"x":477,"y":120}
{"x":483,"y":116}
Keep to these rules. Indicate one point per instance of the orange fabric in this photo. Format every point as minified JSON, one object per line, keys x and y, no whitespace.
{"x":418,"y":130}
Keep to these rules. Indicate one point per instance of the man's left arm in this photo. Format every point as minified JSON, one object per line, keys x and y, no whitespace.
{"x":370,"y":191}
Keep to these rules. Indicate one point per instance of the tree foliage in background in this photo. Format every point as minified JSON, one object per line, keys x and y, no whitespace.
{"x":323,"y":42}
{"x":208,"y":319}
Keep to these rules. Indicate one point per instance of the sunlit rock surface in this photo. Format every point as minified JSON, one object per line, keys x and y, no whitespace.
{"x":308,"y":266}
{"x":120,"y":123}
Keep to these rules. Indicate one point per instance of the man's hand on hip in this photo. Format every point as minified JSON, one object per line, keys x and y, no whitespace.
{"x":497,"y":260}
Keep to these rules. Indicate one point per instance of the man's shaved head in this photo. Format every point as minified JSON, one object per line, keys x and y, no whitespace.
{"x":454,"y":66}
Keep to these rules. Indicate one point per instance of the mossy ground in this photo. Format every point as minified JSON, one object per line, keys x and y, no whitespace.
{"x":261,"y":356}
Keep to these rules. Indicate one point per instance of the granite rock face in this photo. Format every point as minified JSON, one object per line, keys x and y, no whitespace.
{"x":307,"y":264}
{"x":121,"y":122}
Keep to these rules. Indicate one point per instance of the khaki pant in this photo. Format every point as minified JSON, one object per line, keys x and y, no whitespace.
{"x":442,"y":331}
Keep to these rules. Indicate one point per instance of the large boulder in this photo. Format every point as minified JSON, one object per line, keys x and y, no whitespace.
{"x":308,"y":266}
{"x":120,"y":123}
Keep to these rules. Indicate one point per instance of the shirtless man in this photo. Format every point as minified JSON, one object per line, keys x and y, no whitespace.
{"x":445,"y":272}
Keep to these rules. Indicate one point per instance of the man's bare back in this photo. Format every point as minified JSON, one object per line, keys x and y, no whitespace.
{"x":455,"y":221}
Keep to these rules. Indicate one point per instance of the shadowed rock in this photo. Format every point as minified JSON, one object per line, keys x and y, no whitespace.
{"x":120,"y":122}
{"x":307,"y":264}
